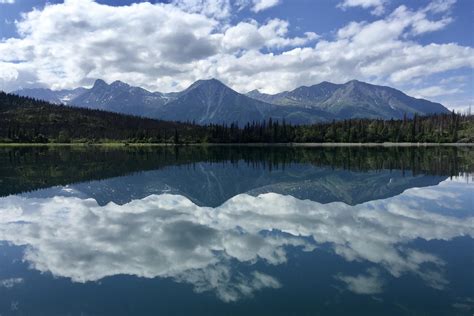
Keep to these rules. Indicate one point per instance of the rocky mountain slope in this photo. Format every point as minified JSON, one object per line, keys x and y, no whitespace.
{"x":210,"y":101}
{"x":353,"y":99}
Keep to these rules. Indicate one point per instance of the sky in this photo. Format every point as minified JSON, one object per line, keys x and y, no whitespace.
{"x":422,"y":47}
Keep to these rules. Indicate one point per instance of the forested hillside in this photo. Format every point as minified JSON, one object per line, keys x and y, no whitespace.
{"x":26,"y":120}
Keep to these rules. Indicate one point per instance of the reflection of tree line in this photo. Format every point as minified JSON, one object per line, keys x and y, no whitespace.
{"x":29,"y":168}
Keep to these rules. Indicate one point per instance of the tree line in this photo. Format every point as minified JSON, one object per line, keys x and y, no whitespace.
{"x":26,"y":120}
{"x":435,"y":128}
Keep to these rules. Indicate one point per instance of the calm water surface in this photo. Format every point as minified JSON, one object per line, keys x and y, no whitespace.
{"x":236,"y":231}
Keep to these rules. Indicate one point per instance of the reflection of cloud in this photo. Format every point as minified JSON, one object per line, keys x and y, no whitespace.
{"x":228,"y":286}
{"x":166,"y":236}
{"x":9,"y":283}
{"x":465,"y":304}
{"x":169,"y":236}
{"x":369,"y":283}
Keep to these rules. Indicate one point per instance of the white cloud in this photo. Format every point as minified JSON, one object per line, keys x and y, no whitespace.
{"x":213,"y":8}
{"x":419,"y":21}
{"x":7,"y":72}
{"x":424,"y":26}
{"x":166,"y":47}
{"x":257,"y":5}
{"x":459,"y":80}
{"x":7,"y":1}
{"x":440,"y":6}
{"x":260,"y":5}
{"x":433,"y":91}
{"x":250,"y":35}
{"x":80,"y":40}
{"x":376,"y":5}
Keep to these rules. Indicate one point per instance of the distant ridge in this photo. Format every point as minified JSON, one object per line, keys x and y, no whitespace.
{"x":354,"y":99}
{"x":211,"y":101}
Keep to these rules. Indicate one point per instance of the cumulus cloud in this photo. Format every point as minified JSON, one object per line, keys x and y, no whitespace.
{"x":257,"y":5}
{"x":433,"y":91}
{"x":166,"y":47}
{"x":73,"y":43}
{"x":440,"y":6}
{"x":251,"y":35}
{"x":7,"y":72}
{"x":260,"y":5}
{"x":7,"y":1}
{"x":419,"y":20}
{"x":377,"y":6}
{"x":170,"y":236}
{"x":219,"y":9}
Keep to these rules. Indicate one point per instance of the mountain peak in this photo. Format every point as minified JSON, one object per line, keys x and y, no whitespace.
{"x":209,"y":81}
{"x":99,"y":83}
{"x":328,"y":84}
{"x":212,"y":83}
{"x":254,"y":92}
{"x":119,"y":84}
{"x":359,"y":83}
{"x":354,"y":81}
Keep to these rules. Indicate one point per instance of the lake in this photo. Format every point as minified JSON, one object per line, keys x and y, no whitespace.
{"x":224,"y":230}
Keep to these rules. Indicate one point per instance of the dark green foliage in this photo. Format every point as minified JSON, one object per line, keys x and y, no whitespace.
{"x":436,"y":128}
{"x":26,"y":120}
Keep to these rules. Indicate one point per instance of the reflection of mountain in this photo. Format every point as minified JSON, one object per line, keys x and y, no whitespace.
{"x":25,"y":169}
{"x":209,"y":184}
{"x":169,"y":236}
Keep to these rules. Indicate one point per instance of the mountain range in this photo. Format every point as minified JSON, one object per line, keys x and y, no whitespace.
{"x":211,"y":101}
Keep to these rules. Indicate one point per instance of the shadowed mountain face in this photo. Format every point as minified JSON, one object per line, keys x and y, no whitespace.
{"x":56,"y":97}
{"x":120,"y":97}
{"x":302,"y":96}
{"x":210,"y":101}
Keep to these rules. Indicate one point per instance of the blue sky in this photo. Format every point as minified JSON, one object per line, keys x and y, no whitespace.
{"x":424,"y":47}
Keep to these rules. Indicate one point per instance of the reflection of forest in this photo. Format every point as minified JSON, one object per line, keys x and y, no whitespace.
{"x":30,"y":168}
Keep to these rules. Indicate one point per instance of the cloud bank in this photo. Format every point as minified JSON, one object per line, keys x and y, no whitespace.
{"x":166,"y":47}
{"x":377,"y":6}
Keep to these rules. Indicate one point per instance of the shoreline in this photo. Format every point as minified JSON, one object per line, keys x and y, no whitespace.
{"x":120,"y":144}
